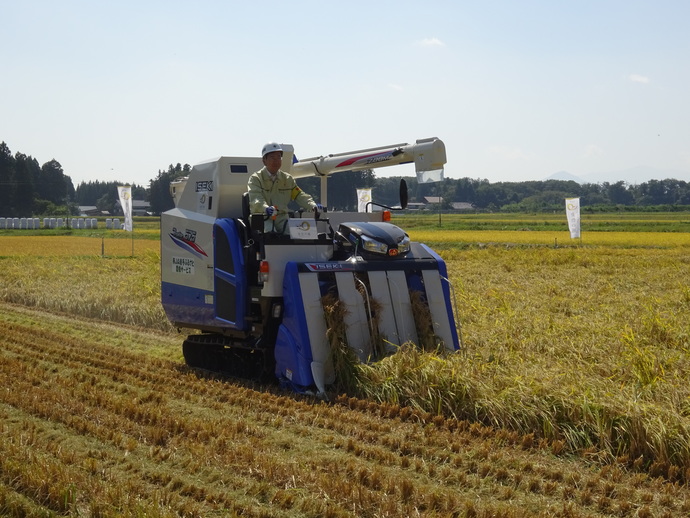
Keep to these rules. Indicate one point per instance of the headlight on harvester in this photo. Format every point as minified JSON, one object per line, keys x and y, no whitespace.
{"x":378,"y":240}
{"x":371,"y":245}
{"x":404,"y":245}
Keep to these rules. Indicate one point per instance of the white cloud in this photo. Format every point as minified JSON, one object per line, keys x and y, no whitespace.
{"x":395,"y":87}
{"x":593,"y":150}
{"x":636,"y":78}
{"x":431,"y":42}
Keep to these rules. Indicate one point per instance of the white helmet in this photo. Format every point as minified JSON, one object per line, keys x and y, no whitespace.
{"x":270,"y":148}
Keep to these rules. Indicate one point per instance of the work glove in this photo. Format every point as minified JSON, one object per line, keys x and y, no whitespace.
{"x":319,"y":208}
{"x":271,"y":211}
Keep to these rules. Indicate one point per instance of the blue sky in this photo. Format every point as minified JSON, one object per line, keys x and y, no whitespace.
{"x":517,"y":90}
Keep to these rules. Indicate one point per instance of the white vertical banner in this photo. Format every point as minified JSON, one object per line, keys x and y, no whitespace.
{"x":125,"y":194}
{"x":572,"y":211}
{"x":363,"y":197}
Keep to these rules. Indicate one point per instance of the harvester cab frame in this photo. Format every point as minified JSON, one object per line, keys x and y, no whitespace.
{"x":259,"y":299}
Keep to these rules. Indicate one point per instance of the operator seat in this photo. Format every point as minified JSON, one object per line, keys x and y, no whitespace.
{"x":254,"y":222}
{"x":245,"y":207}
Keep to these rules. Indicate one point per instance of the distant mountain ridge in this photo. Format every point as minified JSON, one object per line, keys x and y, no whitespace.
{"x":631,"y":176}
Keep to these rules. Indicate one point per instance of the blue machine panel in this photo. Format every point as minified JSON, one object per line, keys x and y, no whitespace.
{"x":293,"y":349}
{"x":226,"y":306}
{"x":230,"y":276}
{"x":185,"y":305}
{"x":300,"y":358}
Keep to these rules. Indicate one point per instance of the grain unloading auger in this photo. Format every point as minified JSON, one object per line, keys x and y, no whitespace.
{"x":257,"y":296}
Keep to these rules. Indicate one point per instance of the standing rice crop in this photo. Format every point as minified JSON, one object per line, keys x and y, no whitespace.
{"x":44,"y":272}
{"x":590,"y":347}
{"x":587,"y":347}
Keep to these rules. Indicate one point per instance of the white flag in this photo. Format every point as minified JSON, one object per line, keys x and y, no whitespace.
{"x":363,"y":197}
{"x":572,"y":210}
{"x":125,"y":194}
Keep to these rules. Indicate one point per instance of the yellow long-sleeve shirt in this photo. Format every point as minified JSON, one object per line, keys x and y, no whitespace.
{"x":266,"y":190}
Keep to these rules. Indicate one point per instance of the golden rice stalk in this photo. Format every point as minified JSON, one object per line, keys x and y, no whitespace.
{"x":345,"y":361}
{"x":428,"y":340}
{"x":350,"y":373}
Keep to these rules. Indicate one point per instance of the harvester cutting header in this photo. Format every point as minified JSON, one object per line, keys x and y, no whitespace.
{"x":258,"y":293}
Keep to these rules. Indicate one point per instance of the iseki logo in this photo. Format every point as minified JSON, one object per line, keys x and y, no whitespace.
{"x":205,"y":186}
{"x":327,"y":267}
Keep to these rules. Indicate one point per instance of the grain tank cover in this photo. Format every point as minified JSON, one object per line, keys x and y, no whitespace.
{"x":215,"y":187}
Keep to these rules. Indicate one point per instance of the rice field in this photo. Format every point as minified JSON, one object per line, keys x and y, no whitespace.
{"x":451,"y":239}
{"x":75,"y":246}
{"x":575,"y":362}
{"x":585,"y":346}
{"x":556,"y":222}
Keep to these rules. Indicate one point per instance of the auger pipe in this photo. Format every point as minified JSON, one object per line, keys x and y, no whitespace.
{"x":427,"y":154}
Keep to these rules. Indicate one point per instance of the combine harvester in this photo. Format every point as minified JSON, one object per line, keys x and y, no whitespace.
{"x":257,"y":296}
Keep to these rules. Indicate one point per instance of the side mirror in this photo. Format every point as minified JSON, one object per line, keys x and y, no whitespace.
{"x":403,"y":199}
{"x":403,"y":194}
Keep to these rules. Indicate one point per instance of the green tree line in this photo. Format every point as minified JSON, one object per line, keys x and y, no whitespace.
{"x":530,"y":196}
{"x":27,"y":188}
{"x":544,"y":195}
{"x":104,"y":196}
{"x":30,"y":189}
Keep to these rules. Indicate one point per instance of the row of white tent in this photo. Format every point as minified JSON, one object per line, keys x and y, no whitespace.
{"x":35,"y":223}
